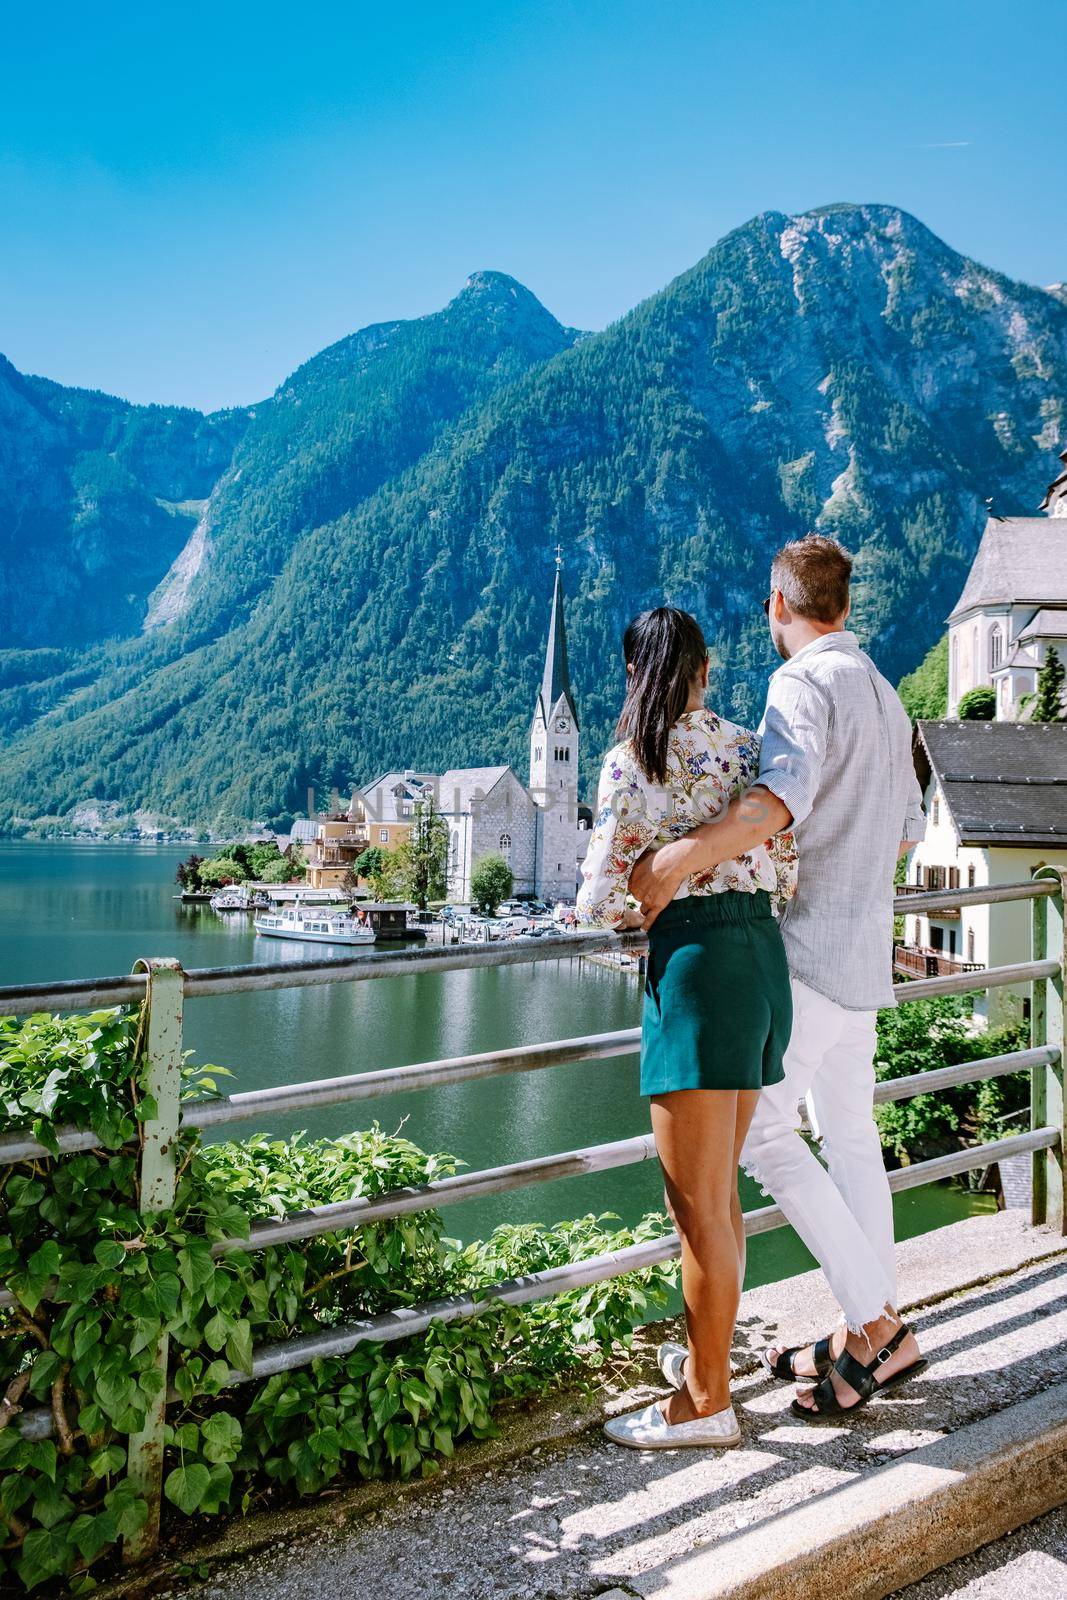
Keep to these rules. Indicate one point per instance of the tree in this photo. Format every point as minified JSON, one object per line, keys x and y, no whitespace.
{"x":188,"y":874}
{"x":978,"y":705}
{"x":491,"y":882}
{"x":1048,"y":701}
{"x":925,"y":691}
{"x":223,"y":869}
{"x":381,"y":869}
{"x":278,"y":871}
{"x":424,"y":857}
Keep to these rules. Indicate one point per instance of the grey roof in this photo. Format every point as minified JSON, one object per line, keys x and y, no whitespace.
{"x":556,"y":680}
{"x":1019,"y":559}
{"x":412,"y":780}
{"x":1048,"y":623}
{"x":1005,"y":783}
{"x":457,"y":786}
{"x":304,"y":829}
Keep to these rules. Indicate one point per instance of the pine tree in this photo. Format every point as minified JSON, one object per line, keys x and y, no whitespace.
{"x":1048,"y":701}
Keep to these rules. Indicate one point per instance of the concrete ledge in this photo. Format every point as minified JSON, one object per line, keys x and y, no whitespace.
{"x":895,"y":1525}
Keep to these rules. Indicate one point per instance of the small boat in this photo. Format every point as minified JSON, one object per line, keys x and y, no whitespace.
{"x":232,"y":899}
{"x":318,"y":926}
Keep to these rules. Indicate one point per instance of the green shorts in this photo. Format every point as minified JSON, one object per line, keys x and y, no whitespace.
{"x":718,"y":1009}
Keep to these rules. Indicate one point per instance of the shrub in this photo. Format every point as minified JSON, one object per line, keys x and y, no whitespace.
{"x":978,"y":705}
{"x":96,"y":1284}
{"x":491,"y":882}
{"x":919,"y":1037}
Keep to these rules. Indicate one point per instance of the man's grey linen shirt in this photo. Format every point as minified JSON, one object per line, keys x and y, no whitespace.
{"x":837,"y":751}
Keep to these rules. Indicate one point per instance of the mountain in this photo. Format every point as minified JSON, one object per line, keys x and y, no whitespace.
{"x":97,"y":497}
{"x":843,"y":369}
{"x":356,"y":415}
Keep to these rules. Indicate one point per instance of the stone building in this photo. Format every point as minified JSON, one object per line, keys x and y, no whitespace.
{"x":540,"y":830}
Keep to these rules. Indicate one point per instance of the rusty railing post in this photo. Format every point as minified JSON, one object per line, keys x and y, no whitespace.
{"x":1048,"y":1025}
{"x":161,"y":1080}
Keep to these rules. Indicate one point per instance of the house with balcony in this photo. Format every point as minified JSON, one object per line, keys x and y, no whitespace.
{"x":996,"y":809}
{"x":1013,"y":608}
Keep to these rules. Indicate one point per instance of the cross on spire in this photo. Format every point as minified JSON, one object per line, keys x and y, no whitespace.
{"x":559,"y":558}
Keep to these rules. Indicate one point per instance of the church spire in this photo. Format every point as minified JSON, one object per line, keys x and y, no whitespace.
{"x":557,"y":679}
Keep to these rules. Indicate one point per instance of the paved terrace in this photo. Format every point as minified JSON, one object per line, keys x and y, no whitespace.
{"x":550,"y":1511}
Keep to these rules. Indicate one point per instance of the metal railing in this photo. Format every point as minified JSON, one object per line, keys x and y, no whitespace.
{"x":165,"y":986}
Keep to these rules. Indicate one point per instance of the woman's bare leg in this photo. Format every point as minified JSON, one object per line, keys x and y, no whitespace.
{"x":746,"y":1109}
{"x":698,"y":1135}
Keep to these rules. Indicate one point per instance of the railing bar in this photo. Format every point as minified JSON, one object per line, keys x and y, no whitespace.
{"x":420,"y":1075}
{"x":936,"y":1078}
{"x":460,"y":1069}
{"x":973,"y":982}
{"x":946,"y":899}
{"x":405,"y":1322}
{"x":358,"y":1213}
{"x":70,"y":994}
{"x":972,"y":1158}
{"x":355,"y":1086}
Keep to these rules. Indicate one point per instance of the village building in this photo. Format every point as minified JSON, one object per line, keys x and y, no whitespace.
{"x":1013,"y":608}
{"x":996,"y":810}
{"x":539,"y":829}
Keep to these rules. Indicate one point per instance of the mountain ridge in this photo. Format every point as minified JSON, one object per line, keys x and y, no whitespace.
{"x":842,"y":369}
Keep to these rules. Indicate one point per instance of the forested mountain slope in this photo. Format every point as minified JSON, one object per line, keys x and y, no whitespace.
{"x":844,"y":370}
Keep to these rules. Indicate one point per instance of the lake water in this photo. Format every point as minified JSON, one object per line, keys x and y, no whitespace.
{"x":73,"y":910}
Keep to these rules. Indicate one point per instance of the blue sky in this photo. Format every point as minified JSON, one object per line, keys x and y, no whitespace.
{"x":196,"y":198}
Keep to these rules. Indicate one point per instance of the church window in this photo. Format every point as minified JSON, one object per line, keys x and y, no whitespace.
{"x":505,"y":847}
{"x":970,"y":877}
{"x":937,"y":810}
{"x":955,"y":686}
{"x":996,"y":644}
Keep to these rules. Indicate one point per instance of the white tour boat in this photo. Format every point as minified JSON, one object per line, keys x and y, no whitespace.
{"x":315,"y":923}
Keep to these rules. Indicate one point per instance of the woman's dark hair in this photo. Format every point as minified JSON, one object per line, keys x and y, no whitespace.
{"x":664,"y":651}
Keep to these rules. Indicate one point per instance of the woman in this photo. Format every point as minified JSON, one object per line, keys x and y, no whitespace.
{"x":717,"y":1010}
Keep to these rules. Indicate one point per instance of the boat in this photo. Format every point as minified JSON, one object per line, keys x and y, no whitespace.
{"x":319,"y":926}
{"x":230,"y":899}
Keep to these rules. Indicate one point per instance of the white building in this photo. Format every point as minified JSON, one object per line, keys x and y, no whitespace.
{"x":540,"y":830}
{"x":1013,"y":606}
{"x":996,"y":810}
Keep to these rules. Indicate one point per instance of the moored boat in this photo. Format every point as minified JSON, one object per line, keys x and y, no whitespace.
{"x":316,"y":925}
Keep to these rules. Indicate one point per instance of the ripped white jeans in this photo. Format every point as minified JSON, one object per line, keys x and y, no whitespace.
{"x":845,"y":1214}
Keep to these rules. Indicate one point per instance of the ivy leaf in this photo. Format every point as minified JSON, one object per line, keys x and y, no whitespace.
{"x":187,"y":1486}
{"x":239,"y":1345}
{"x":218,"y":1330}
{"x":221,"y":1436}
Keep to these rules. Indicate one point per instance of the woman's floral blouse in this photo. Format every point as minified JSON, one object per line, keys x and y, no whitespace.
{"x":709,"y":761}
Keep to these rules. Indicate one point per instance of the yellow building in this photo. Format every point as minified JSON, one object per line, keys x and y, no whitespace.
{"x":341,"y":839}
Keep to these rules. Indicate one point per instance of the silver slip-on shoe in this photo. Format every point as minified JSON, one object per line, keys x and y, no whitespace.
{"x":649,"y":1429}
{"x":672,"y":1359}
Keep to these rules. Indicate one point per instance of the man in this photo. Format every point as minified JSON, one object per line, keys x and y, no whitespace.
{"x":836,"y":767}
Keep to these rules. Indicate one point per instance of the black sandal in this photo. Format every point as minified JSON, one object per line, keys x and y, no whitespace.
{"x":782,"y":1366}
{"x":859,"y":1378}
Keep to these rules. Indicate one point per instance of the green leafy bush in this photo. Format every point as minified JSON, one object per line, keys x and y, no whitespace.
{"x":978,"y":705}
{"x":924,"y":1035}
{"x":97,"y":1283}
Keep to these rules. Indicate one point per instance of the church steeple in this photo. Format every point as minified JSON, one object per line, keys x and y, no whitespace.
{"x":556,"y":680}
{"x":554,"y":745}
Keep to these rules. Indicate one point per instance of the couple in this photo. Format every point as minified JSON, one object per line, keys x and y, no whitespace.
{"x":710,"y":828}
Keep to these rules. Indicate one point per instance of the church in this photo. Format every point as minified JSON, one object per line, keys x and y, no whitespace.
{"x":538,"y":828}
{"x":1013,"y":608}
